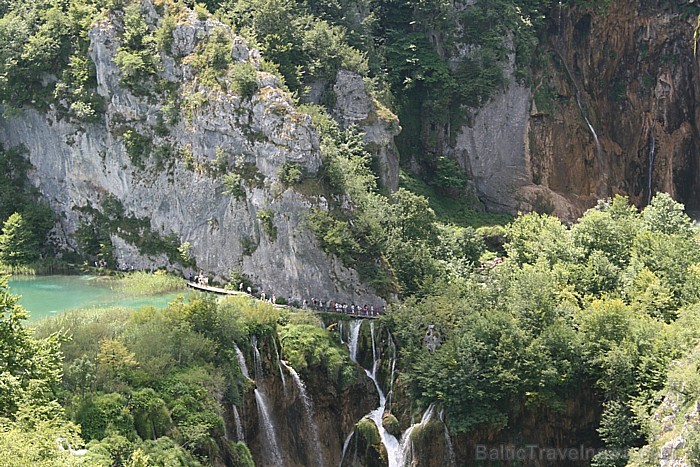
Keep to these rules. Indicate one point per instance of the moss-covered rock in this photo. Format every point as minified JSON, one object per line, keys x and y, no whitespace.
{"x":391,"y":424}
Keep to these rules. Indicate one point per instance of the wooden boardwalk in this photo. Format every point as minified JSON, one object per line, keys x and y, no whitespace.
{"x":209,"y":288}
{"x":219,"y":290}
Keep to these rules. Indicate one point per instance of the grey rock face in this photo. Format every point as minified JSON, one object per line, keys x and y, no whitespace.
{"x":354,"y":106}
{"x":493,"y":151}
{"x":79,"y":165}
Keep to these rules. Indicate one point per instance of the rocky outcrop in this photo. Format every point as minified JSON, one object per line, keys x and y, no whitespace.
{"x":630,"y":70}
{"x":335,"y":412}
{"x":674,"y":440}
{"x":171,"y":172}
{"x":355,"y":106}
{"x":610,"y":107}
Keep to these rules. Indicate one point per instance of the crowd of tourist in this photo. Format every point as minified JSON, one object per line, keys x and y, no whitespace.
{"x":326,"y":306}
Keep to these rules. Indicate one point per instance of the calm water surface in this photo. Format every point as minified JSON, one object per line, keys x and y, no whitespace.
{"x":47,"y":295}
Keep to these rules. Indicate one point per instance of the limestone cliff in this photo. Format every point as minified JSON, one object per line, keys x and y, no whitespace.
{"x":630,"y":69}
{"x":165,"y":155}
{"x":674,"y":425}
{"x":609,"y":105}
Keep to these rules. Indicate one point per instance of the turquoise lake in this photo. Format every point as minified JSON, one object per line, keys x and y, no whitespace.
{"x":46,"y":296}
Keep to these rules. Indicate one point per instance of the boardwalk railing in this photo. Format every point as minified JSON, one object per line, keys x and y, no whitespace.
{"x":219,"y":290}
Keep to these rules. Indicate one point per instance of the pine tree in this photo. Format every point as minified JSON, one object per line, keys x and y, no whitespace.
{"x":17,"y":244}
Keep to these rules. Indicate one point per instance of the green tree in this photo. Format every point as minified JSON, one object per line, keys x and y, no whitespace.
{"x":17,"y":244}
{"x":667,"y":216}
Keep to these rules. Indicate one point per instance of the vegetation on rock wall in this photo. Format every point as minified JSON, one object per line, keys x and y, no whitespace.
{"x":606,"y":304}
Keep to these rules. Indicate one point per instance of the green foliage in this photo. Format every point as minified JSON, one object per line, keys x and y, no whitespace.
{"x":138,"y":283}
{"x":240,"y":455}
{"x":105,"y":414}
{"x":601,"y":306}
{"x":244,"y":79}
{"x":138,"y":147}
{"x":464,"y":211}
{"x":306,"y":346}
{"x":233,"y":185}
{"x":290,"y":173}
{"x":93,"y":233}
{"x":19,"y":198}
{"x":665,"y":215}
{"x":29,"y":369}
{"x":17,"y":244}
{"x":368,"y":431}
{"x":137,"y":57}
{"x":266,"y":218}
{"x":47,"y":38}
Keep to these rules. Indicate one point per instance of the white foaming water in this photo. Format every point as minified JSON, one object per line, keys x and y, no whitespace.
{"x":354,"y":338}
{"x":345,"y":448}
{"x":308,"y":412}
{"x":448,"y":440}
{"x":257,"y":364}
{"x":407,"y":443}
{"x":240,"y":433}
{"x":393,"y":448}
{"x":241,"y":362}
{"x":272,"y":453}
{"x":279,"y":367}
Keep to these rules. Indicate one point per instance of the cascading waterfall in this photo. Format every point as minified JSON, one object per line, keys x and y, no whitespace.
{"x":559,"y":22}
{"x":448,"y":440}
{"x":354,"y":338}
{"x":584,"y":114}
{"x":257,"y":363}
{"x":273,"y":451}
{"x":345,"y":448}
{"x":390,"y":442}
{"x":407,"y":443}
{"x":308,"y":412}
{"x":598,"y":147}
{"x":241,"y":362}
{"x":240,"y":433}
{"x":264,"y":419}
{"x":393,"y":449}
{"x":279,"y":367}
{"x":652,"y":147}
{"x":390,"y":394}
{"x":341,"y":328}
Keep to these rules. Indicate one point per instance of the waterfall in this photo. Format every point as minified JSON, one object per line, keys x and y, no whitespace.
{"x":390,"y":394}
{"x":345,"y":448}
{"x":265,"y":421}
{"x":257,"y":363}
{"x":393,"y":449}
{"x":559,"y":22}
{"x":241,"y":361}
{"x":448,"y":440}
{"x":240,"y":433}
{"x":279,"y":367}
{"x":309,"y":413}
{"x":406,"y":442}
{"x":584,"y":114}
{"x":598,"y":148}
{"x":390,"y":442}
{"x":652,"y":147}
{"x":341,"y":328}
{"x":354,"y":338}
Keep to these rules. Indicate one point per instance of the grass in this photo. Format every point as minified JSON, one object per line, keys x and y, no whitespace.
{"x":40,"y":267}
{"x":141,"y":283}
{"x":463,"y":211}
